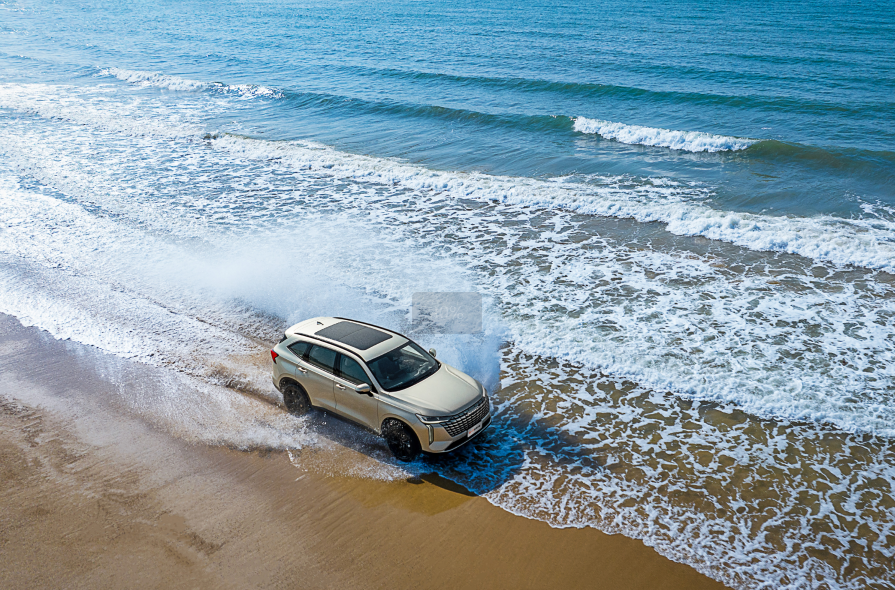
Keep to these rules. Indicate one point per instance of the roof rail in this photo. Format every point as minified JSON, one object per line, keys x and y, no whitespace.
{"x":328,"y":342}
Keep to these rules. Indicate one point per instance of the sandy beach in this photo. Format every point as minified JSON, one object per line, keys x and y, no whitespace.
{"x":95,"y":498}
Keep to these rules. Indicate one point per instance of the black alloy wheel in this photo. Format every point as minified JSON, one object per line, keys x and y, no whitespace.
{"x":296,"y":400}
{"x":401,"y":440}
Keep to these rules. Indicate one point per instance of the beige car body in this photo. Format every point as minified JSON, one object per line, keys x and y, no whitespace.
{"x":450,"y":395}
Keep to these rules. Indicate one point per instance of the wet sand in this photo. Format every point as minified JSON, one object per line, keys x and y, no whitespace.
{"x":93,"y":497}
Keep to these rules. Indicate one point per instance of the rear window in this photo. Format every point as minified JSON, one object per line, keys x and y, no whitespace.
{"x":323,"y":358}
{"x":300,"y":349}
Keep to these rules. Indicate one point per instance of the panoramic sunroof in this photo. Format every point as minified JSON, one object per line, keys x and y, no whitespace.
{"x":354,"y":335}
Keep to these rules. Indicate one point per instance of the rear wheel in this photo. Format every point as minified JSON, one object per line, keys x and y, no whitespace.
{"x":401,"y":440}
{"x":296,"y":400}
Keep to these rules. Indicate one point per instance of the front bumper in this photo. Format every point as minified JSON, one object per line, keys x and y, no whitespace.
{"x":444,"y":443}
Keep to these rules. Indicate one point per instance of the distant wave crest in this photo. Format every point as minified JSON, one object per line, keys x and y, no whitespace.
{"x":159,"y":80}
{"x":690,"y":141}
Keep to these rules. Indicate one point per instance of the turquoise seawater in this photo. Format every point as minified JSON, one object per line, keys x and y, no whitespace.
{"x":681,"y":216}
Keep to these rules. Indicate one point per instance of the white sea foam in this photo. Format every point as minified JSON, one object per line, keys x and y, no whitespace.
{"x":822,"y":238}
{"x":177,"y":83}
{"x":690,"y":141}
{"x":700,"y":484}
{"x":48,"y":101}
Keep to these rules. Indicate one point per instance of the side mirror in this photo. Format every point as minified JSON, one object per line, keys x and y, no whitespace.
{"x":432,"y":351}
{"x":363,"y":388}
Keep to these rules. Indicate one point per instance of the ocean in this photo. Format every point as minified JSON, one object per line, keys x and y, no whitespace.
{"x":680,"y":216}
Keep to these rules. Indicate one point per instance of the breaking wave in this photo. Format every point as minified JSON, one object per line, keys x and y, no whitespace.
{"x":690,"y":141}
{"x":176,"y":83}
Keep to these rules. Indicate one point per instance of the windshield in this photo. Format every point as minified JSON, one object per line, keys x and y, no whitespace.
{"x":402,"y":367}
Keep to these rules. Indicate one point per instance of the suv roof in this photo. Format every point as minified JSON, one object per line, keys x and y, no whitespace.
{"x":365,"y":340}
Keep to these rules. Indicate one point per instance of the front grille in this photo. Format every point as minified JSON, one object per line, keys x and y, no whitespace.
{"x":465,"y":439}
{"x":466,"y":420}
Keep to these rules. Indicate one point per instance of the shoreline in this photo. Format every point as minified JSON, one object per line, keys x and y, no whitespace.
{"x":96,"y":497}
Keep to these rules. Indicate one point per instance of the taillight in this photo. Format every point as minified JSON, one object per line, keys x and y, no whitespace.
{"x":274,"y":356}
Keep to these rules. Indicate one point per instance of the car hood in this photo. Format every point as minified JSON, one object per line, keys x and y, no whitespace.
{"x":443,"y":393}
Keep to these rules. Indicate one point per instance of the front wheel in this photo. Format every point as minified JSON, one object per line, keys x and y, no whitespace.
{"x":401,"y":440}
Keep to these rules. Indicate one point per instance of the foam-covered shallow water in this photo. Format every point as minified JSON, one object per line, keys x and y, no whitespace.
{"x":689,"y":326}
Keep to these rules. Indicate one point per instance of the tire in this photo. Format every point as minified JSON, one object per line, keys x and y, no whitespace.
{"x":401,"y":440}
{"x":296,"y":400}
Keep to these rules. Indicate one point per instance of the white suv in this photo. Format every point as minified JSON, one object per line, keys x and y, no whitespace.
{"x":380,"y":380}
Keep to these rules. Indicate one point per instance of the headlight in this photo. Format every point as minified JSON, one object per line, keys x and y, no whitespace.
{"x":433,"y":419}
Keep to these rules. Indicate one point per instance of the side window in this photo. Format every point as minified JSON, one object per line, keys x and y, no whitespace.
{"x":350,"y":370}
{"x":300,"y":349}
{"x":322,"y":357}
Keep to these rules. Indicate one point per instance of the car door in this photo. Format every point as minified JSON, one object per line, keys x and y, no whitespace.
{"x":317,"y":375}
{"x":295,"y":363}
{"x":363,"y":408}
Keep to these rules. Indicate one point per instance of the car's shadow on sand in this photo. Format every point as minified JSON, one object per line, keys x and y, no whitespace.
{"x":484,"y":464}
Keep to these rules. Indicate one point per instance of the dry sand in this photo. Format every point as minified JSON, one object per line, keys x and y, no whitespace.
{"x":96,"y":498}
